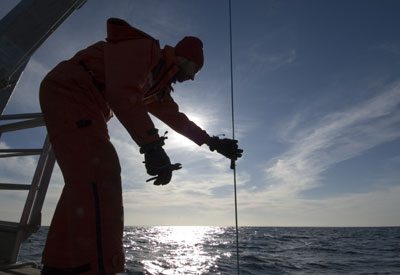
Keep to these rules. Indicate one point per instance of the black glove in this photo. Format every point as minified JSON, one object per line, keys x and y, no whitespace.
{"x":226,"y":147}
{"x":157,"y":162}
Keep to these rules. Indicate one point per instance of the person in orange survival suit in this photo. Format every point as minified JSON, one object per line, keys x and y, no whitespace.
{"x":130,"y":75}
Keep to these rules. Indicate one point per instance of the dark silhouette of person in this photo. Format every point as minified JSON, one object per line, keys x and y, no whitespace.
{"x":128,"y":75}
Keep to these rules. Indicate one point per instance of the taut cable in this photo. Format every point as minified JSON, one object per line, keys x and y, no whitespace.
{"x":233,"y":165}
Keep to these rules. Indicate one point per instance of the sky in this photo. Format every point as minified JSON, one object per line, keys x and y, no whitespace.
{"x":316,"y":103}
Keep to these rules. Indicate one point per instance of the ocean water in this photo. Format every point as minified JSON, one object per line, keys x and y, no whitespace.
{"x":262,"y":250}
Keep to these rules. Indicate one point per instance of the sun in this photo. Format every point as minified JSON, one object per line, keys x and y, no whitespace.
{"x":176,"y":140}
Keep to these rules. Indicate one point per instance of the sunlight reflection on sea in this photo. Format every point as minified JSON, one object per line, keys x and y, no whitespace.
{"x":175,"y":249}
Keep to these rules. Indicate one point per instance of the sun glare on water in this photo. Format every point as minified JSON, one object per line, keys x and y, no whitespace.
{"x":181,"y":250}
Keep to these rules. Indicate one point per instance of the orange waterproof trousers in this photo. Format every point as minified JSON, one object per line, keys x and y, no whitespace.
{"x":85,"y":236}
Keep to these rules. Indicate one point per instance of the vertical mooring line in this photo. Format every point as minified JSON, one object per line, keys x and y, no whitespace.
{"x":233,"y":165}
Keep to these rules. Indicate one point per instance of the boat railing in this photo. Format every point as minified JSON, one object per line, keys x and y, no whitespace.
{"x":12,"y":234}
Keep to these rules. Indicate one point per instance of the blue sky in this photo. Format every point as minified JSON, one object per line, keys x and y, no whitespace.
{"x":317,"y":96}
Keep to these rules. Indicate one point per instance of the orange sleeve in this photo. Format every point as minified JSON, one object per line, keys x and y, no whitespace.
{"x":168,"y":112}
{"x":127,"y":65}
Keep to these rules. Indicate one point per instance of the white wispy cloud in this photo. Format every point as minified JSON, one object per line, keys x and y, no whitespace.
{"x":188,"y":199}
{"x":269,"y":58}
{"x":334,"y":138}
{"x":258,"y":62}
{"x":274,"y":60}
